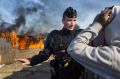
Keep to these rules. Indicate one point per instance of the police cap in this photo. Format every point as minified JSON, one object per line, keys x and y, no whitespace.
{"x":70,"y":12}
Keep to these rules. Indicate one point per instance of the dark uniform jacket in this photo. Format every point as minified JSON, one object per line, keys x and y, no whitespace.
{"x":52,"y":42}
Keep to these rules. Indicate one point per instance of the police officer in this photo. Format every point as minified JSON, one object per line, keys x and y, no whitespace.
{"x":64,"y":67}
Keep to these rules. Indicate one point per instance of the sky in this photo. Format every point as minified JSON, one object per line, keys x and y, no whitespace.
{"x":46,"y":15}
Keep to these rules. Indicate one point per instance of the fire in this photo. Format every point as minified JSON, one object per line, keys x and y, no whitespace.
{"x":29,"y":43}
{"x":23,"y":41}
{"x":14,"y":39}
{"x":37,"y":44}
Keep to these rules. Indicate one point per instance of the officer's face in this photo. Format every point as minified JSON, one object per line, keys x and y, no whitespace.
{"x":69,"y":23}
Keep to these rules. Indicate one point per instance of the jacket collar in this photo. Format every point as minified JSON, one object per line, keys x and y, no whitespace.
{"x":66,"y":31}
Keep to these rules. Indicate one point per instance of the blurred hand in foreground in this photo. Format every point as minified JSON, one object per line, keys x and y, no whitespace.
{"x":105,"y":17}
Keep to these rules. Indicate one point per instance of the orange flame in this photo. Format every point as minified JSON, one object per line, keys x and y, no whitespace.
{"x":23,"y":42}
{"x":14,"y":39}
{"x":38,"y":44}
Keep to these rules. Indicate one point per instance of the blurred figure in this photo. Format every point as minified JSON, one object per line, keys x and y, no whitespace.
{"x":103,"y":60}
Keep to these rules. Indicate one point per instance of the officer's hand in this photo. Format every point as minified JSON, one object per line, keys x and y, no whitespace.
{"x":24,"y":61}
{"x":105,"y":17}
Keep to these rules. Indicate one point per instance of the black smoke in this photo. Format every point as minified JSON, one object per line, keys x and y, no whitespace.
{"x":46,"y":15}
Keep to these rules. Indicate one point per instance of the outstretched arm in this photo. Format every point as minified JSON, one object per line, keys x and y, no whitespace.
{"x":42,"y":56}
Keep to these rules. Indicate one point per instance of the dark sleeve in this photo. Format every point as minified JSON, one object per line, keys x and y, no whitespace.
{"x":45,"y":54}
{"x":78,"y":31}
{"x":99,"y":40}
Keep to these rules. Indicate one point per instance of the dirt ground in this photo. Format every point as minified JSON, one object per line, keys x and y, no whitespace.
{"x":18,"y":71}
